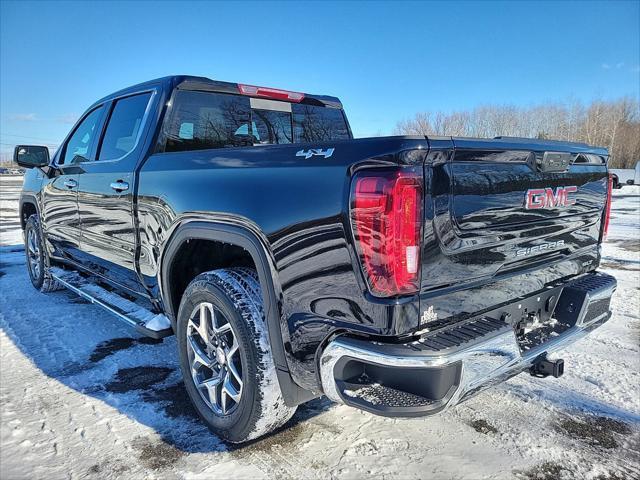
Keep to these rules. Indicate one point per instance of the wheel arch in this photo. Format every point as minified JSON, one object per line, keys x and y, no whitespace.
{"x":28,"y":206}
{"x":249,"y":238}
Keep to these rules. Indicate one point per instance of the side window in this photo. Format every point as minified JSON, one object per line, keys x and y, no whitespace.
{"x":81,"y":140}
{"x":202,"y":120}
{"x":316,"y":124}
{"x":124,"y":126}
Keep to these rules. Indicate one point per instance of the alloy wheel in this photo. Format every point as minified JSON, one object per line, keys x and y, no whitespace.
{"x":214,"y":359}
{"x":33,"y":253}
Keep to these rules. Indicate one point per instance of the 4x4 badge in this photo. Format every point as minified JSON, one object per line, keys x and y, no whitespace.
{"x":315,"y":151}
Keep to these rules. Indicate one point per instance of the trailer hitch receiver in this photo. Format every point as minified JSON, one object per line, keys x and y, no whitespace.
{"x":543,"y":367}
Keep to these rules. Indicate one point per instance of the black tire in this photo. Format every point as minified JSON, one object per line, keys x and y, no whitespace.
{"x":616,"y":183}
{"x":235,"y":295}
{"x":37,"y":262}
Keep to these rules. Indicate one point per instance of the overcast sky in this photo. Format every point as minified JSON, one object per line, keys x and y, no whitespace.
{"x":386,"y":61}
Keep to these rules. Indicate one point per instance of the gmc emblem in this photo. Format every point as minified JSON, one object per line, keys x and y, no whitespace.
{"x":546,"y":198}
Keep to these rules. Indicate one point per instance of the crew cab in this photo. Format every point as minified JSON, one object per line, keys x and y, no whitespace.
{"x":398,"y":275}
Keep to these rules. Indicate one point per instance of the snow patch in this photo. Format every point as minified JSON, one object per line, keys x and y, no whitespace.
{"x":368,"y":393}
{"x":158,"y":322}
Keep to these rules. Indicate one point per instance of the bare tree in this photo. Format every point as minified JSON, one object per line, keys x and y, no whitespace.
{"x":614,"y":124}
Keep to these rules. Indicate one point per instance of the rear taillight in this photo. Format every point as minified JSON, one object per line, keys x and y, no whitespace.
{"x":273,"y":93}
{"x":386,"y":218}
{"x":607,"y":208}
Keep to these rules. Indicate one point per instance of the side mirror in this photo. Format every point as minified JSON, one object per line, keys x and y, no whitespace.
{"x":31,"y":156}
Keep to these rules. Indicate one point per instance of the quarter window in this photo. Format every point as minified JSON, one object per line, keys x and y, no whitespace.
{"x":124,"y":127}
{"x":77,"y":148}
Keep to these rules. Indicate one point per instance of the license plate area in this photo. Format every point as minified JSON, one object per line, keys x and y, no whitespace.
{"x":534,"y":332}
{"x":533,"y":320}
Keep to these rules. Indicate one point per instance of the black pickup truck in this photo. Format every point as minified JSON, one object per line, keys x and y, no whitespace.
{"x":399,"y":275}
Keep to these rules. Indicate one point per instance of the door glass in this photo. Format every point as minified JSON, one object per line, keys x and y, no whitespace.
{"x":80,"y":142}
{"x":124,"y":126}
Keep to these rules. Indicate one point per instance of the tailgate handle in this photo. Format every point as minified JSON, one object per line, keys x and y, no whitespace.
{"x":555,"y":162}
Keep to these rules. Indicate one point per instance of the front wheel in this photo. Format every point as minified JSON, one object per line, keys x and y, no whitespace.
{"x":225,"y":355}
{"x":37,"y":264}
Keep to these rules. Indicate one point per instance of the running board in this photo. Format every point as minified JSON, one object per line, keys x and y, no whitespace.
{"x":154,"y":325}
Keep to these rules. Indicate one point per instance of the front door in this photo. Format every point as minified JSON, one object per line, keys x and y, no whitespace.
{"x":106,"y":192}
{"x":59,"y":213}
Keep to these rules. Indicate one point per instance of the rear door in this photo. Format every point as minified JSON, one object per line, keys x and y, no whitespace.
{"x":60,"y":219}
{"x":106,"y":192}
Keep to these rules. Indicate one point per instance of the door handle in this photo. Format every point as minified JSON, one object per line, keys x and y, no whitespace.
{"x":120,"y":186}
{"x":70,"y":183}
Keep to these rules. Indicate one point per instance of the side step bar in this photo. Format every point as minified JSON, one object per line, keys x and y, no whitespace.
{"x":154,"y":325}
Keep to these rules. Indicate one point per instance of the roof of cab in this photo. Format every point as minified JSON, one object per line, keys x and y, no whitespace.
{"x":203,"y":84}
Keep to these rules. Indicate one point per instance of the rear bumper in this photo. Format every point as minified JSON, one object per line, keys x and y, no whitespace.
{"x":445,"y":367}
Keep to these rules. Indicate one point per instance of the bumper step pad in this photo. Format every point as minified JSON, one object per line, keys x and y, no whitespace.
{"x":377,"y":394}
{"x":587,"y":300}
{"x":148,"y":323}
{"x":460,"y":334}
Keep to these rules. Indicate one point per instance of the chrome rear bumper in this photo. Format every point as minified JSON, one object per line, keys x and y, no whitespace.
{"x":459,"y":372}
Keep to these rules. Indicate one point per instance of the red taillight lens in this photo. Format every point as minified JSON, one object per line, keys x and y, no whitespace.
{"x":607,"y":208}
{"x":386,"y":217}
{"x":273,"y":93}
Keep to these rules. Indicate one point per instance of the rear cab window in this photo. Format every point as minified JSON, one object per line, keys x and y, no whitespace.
{"x":271,"y":121}
{"x":312,"y":123}
{"x":206,"y":120}
{"x":203,"y":120}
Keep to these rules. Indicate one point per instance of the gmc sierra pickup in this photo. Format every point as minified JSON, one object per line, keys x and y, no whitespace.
{"x":399,"y":275}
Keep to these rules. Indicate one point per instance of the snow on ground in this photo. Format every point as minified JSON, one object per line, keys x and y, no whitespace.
{"x":10,"y":186}
{"x":82,"y":396}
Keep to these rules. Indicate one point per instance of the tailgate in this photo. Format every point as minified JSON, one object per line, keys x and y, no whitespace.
{"x":501,"y":209}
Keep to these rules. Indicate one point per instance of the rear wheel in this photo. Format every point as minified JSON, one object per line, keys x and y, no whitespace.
{"x":37,"y":263}
{"x":616,"y":183}
{"x":225,"y":355}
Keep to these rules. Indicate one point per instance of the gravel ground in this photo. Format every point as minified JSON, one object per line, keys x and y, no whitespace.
{"x":81,"y":396}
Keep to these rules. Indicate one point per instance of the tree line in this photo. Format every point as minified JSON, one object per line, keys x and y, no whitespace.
{"x":614,"y":124}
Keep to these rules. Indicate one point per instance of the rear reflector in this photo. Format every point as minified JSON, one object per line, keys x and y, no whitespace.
{"x":607,"y":208}
{"x":386,"y":218}
{"x":272,"y":93}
